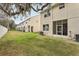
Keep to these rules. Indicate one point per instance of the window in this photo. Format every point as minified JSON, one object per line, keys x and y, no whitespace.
{"x":31,"y":28}
{"x":24,"y":29}
{"x":59,"y":30}
{"x":46,"y":27}
{"x":43,"y":27}
{"x":47,"y":14}
{"x":28,"y":28}
{"x":61,"y":5}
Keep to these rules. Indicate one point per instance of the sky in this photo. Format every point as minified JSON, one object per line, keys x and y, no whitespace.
{"x":18,"y":20}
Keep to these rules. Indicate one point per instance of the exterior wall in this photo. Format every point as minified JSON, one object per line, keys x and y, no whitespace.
{"x":46,"y":20}
{"x":35,"y":22}
{"x":73,"y":26}
{"x":70,"y":12}
{"x":73,"y":10}
{"x":59,"y":14}
{"x":32,"y":21}
{"x":73,"y":19}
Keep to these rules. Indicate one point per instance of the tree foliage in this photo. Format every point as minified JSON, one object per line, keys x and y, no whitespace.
{"x":13,"y":9}
{"x":10,"y":24}
{"x":19,"y":9}
{"x":4,"y":22}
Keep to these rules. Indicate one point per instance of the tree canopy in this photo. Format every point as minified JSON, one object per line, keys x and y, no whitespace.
{"x":19,"y":9}
{"x":12,"y":9}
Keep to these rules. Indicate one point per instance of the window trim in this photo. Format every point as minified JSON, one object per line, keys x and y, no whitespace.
{"x":55,"y":27}
{"x":47,"y":14}
{"x":46,"y":27}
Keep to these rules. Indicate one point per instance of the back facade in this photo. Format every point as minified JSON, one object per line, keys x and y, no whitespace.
{"x":61,"y":19}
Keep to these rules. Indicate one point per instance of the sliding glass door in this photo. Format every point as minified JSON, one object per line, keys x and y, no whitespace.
{"x":60,"y":27}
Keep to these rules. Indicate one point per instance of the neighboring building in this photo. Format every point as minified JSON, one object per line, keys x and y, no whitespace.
{"x":31,"y":24}
{"x":21,"y":26}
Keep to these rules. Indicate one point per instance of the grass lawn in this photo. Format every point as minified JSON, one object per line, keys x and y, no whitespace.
{"x":20,"y":43}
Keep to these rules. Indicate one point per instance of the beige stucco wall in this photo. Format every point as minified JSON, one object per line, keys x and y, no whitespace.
{"x":73,"y":10}
{"x":35,"y":22}
{"x":73,"y":18}
{"x":59,"y":14}
{"x":70,"y":12}
{"x":46,"y":20}
{"x":73,"y":26}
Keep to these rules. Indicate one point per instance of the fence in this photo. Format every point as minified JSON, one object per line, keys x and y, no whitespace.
{"x":3,"y":31}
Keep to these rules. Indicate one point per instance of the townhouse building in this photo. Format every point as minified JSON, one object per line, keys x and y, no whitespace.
{"x":61,"y":19}
{"x":31,"y":24}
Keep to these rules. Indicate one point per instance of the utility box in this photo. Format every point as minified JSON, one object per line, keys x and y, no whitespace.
{"x":41,"y":33}
{"x":77,"y":37}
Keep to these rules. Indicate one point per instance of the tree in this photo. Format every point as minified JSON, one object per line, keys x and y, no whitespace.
{"x":19,"y":9}
{"x":13,"y":9}
{"x":4,"y":22}
{"x":12,"y":24}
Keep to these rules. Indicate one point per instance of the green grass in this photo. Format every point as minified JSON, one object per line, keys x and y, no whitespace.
{"x":20,"y":43}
